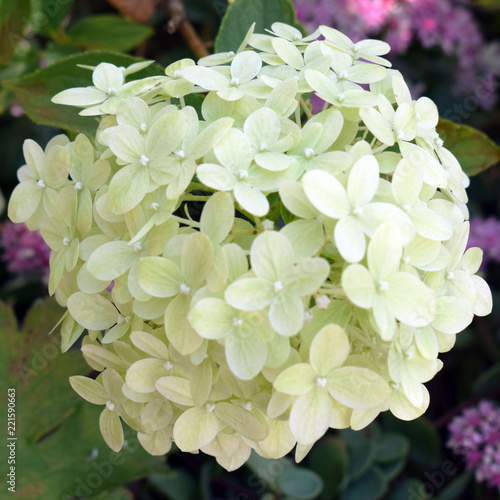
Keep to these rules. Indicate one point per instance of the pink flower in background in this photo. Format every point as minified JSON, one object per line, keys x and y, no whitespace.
{"x":475,"y":435}
{"x":447,"y":24}
{"x":23,"y":251}
{"x":485,"y":234}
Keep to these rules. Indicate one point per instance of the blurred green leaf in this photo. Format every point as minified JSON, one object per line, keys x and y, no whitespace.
{"x":392,"y":469}
{"x":409,"y":489}
{"x":34,"y":91}
{"x":176,"y":484}
{"x":329,"y":459}
{"x":474,"y":150}
{"x":487,"y":381}
{"x":300,"y":483}
{"x":108,"y":32}
{"x":242,"y":13}
{"x":60,"y":451}
{"x":14,"y":15}
{"x":425,"y":443}
{"x":361,"y":458}
{"x":456,"y":488}
{"x":371,"y":486}
{"x":119,"y":494}
{"x":391,"y":447}
{"x":47,"y":16}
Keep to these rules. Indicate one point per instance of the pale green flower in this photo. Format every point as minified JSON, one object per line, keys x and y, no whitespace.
{"x":382,"y":288}
{"x":105,"y":96}
{"x":279,"y":283}
{"x":353,"y":207}
{"x":43,"y":174}
{"x":324,"y":378}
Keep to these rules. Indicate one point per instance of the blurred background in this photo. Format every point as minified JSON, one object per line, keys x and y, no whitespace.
{"x":448,"y":50}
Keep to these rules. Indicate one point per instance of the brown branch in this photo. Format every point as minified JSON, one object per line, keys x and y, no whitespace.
{"x":179,"y":22}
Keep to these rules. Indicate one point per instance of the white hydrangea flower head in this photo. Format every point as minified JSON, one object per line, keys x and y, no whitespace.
{"x":251,"y":276}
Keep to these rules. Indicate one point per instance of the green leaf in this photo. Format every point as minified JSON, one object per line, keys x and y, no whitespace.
{"x":361,"y":458}
{"x":371,"y":486}
{"x":118,"y":494}
{"x":47,"y":16}
{"x":329,"y":459}
{"x":35,"y":91}
{"x":14,"y":15}
{"x":299,"y":482}
{"x":108,"y":32}
{"x":58,"y":432}
{"x":409,"y":488}
{"x":176,"y":484}
{"x":474,"y":150}
{"x":488,"y":380}
{"x":391,"y":447}
{"x":425,"y":443}
{"x":457,"y":487}
{"x":242,"y":13}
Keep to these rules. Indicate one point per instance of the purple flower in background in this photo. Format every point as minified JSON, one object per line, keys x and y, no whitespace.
{"x":475,"y":435}
{"x":447,"y":24}
{"x":24,"y":251}
{"x":485,"y":234}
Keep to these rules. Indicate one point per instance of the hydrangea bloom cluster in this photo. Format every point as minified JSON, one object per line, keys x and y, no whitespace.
{"x":445,"y":24}
{"x":475,"y":434}
{"x":24,"y":252}
{"x":485,"y":234}
{"x":316,"y":288}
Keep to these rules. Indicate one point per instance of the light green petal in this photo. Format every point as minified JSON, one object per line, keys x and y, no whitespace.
{"x":80,"y":96}
{"x":310,"y":416}
{"x":159,"y":277}
{"x":250,"y":294}
{"x":89,"y":389}
{"x":363,"y":181}
{"x":431,"y":225}
{"x":273,"y":161}
{"x":111,"y":429}
{"x":385,"y":251}
{"x":217,"y":217}
{"x":175,"y":389}
{"x":179,"y":331}
{"x":401,"y":408}
{"x":286,"y":314}
{"x":296,"y":380}
{"x":195,"y":428}
{"x":405,"y":121}
{"x":24,"y":201}
{"x":307,"y":276}
{"x":384,"y":318}
{"x":196,"y":259}
{"x":92,"y":311}
{"x":212,"y":318}
{"x":378,"y":125}
{"x":358,"y":388}
{"x":278,"y":351}
{"x":411,"y":301}
{"x":484,"y":301}
{"x":127,"y":188}
{"x":156,"y":443}
{"x":241,"y":421}
{"x":111,"y":260}
{"x":126,"y":143}
{"x":271,"y":256}
{"x":149,"y":344}
{"x":57,"y":170}
{"x":206,"y":78}
{"x":306,"y":237}
{"x":246,"y":355}
{"x":210,"y":137}
{"x":326,"y":193}
{"x":143,"y":374}
{"x":426,"y":341}
{"x":157,"y":414}
{"x":166,"y":134}
{"x":263,"y":127}
{"x":407,"y":182}
{"x":251,"y":199}
{"x":329,"y":349}
{"x":216,"y":177}
{"x":246,"y":66}
{"x":453,"y":315}
{"x":350,"y":238}
{"x":359,"y":286}
{"x":289,"y":53}
{"x":295,"y":200}
{"x":282,"y":97}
